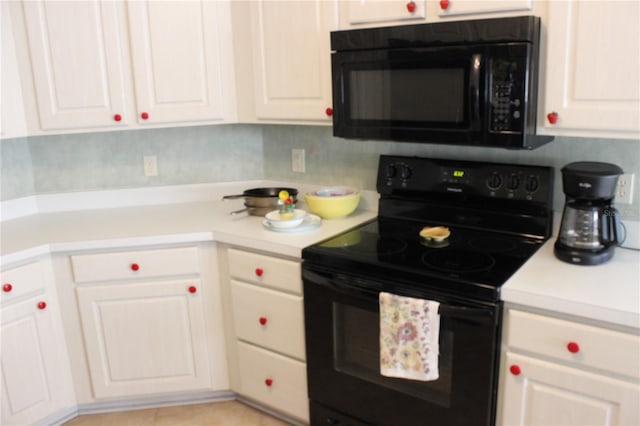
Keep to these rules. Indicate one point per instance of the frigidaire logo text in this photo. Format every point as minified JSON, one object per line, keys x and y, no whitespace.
{"x":450,"y":189}
{"x":584,"y":185}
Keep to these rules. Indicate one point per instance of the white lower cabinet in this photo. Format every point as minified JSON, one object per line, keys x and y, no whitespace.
{"x":36,"y":377}
{"x":265,"y":321}
{"x":145,"y":338}
{"x":561,"y":372}
{"x":150,"y":322}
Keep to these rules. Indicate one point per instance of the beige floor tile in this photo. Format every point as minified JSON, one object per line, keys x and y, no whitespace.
{"x":121,"y":418}
{"x":225,"y":413}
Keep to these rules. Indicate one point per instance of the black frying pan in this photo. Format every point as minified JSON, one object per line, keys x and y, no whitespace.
{"x":259,"y":201}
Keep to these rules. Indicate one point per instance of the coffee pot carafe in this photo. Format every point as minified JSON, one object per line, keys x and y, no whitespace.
{"x":590,"y":227}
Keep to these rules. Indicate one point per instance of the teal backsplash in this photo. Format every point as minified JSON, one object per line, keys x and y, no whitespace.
{"x":222,"y":153}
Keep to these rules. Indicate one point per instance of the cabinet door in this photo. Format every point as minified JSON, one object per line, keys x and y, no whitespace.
{"x":182,"y":62}
{"x":145,"y":338}
{"x":545,"y":393}
{"x":36,"y":380}
{"x":77,"y":65}
{"x":372,"y":12}
{"x":472,"y":7}
{"x":592,"y":69}
{"x":12,"y":118}
{"x":292,"y":58}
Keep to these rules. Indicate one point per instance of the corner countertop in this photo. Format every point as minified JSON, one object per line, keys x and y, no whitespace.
{"x":609,"y":292}
{"x":34,"y":235}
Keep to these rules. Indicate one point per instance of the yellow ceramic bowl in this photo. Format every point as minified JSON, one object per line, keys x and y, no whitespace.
{"x":333,"y":202}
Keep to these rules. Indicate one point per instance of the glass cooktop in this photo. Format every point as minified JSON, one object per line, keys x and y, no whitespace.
{"x":469,"y":262}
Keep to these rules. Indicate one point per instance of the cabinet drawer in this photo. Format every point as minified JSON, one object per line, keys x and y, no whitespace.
{"x":274,"y":380}
{"x":22,"y":280}
{"x":135,"y":264}
{"x":269,"y":318}
{"x":601,"y":348}
{"x":269,"y":271}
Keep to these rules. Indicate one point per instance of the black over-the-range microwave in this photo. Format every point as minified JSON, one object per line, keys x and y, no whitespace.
{"x":459,"y":82}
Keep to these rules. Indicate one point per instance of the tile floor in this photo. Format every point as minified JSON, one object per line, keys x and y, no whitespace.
{"x":225,"y":413}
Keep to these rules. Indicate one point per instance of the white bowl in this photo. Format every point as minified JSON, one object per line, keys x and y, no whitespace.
{"x":275,"y":220}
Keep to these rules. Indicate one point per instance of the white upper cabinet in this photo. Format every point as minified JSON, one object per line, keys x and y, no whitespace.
{"x":591,"y":85}
{"x":12,"y":118}
{"x":292,"y":58}
{"x":180,"y":51}
{"x":76,"y":57}
{"x":106,"y":64}
{"x":365,"y":13}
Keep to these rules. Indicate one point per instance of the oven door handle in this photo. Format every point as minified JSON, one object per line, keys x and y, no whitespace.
{"x":342,"y":285}
{"x":463,"y":312}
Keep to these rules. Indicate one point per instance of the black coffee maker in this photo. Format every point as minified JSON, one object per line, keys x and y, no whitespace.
{"x":590,"y":227}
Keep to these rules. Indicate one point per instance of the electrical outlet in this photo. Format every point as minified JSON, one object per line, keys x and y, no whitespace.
{"x":150,"y":165}
{"x":297,"y":160}
{"x":624,"y":190}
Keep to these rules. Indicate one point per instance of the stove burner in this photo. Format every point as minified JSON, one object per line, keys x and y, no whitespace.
{"x":382,"y":247}
{"x":452,"y":260}
{"x":495,"y":244}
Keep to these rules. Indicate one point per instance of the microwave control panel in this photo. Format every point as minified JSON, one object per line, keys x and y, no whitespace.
{"x":507,"y":95}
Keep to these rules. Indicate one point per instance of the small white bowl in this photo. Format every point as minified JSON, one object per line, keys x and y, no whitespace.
{"x":276,"y":221}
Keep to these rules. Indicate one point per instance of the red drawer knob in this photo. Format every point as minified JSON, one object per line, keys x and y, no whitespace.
{"x":7,"y":287}
{"x":144,"y":115}
{"x":193,"y":289}
{"x":515,"y":370}
{"x":135,"y":266}
{"x":552,"y":117}
{"x":411,"y":6}
{"x":259,"y":272}
{"x":329,"y":112}
{"x":263,"y":320}
{"x":573,"y":347}
{"x":42,"y":305}
{"x":444,"y":4}
{"x":117,"y":117}
{"x":268,"y":382}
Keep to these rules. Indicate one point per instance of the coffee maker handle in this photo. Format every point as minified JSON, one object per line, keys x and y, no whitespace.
{"x":610,"y":229}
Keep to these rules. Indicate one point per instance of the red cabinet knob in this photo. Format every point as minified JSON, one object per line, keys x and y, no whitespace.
{"x":411,"y":7}
{"x":268,"y":382}
{"x":329,"y":112}
{"x":117,"y":117}
{"x":144,"y":115}
{"x":444,"y":4}
{"x":193,"y":289}
{"x":135,"y":266}
{"x":573,"y":347}
{"x":552,"y":117}
{"x":259,"y":272}
{"x":515,"y":370}
{"x":7,"y":287}
{"x":263,"y":320}
{"x":42,"y":305}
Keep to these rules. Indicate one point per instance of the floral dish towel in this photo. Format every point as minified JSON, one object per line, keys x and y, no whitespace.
{"x":409,"y":333}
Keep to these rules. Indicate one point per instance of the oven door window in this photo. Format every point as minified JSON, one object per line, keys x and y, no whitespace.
{"x":357,"y":353}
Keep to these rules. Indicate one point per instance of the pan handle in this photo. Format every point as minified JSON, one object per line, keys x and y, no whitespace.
{"x":233,"y":197}
{"x":233,"y":213}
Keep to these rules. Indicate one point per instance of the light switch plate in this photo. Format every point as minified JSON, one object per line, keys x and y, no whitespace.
{"x":150,"y":165}
{"x":297,"y":161}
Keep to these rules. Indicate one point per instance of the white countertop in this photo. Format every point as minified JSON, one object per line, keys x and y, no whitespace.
{"x":608,"y":292}
{"x":39,"y":234}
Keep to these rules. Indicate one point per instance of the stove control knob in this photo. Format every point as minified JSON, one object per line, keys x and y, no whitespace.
{"x":406,"y":172}
{"x":532,"y":184}
{"x":392,"y":171}
{"x":514,"y":182}
{"x":494,"y":181}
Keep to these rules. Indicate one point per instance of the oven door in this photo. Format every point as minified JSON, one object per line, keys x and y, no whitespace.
{"x":343,"y":361}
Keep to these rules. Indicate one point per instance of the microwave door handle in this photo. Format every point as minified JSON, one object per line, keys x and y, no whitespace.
{"x":474,"y":90}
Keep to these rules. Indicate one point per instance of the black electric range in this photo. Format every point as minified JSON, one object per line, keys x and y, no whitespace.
{"x":498,"y":216}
